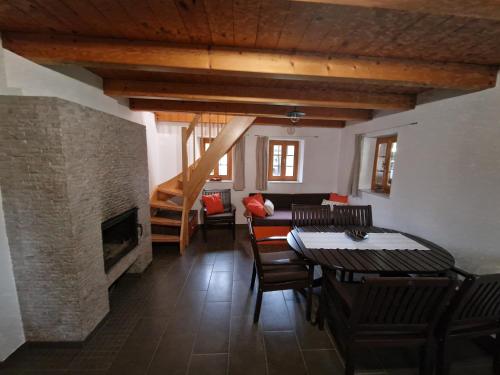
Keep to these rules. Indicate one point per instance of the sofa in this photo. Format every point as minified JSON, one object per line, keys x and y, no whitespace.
{"x":280,"y":223}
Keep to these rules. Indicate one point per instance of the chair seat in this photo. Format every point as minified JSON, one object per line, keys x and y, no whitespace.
{"x":222,"y":215}
{"x":279,"y":274}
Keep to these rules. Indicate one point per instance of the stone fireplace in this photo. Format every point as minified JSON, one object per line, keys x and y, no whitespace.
{"x":65,"y":170}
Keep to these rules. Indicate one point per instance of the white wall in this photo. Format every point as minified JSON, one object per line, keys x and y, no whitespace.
{"x":447,"y":176}
{"x":321,"y":153}
{"x":19,"y":76}
{"x":11,"y":325}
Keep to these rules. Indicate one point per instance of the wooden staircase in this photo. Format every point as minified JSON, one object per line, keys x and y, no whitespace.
{"x":171,"y":201}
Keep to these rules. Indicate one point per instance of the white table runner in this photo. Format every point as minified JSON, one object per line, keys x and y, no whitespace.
{"x":375,"y":241}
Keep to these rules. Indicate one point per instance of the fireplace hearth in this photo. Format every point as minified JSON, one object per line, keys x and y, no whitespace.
{"x":120,"y":235}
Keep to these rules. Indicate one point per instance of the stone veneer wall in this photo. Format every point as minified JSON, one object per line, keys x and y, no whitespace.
{"x":64,"y":169}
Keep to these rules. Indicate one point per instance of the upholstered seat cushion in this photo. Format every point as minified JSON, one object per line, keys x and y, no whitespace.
{"x":222,"y":215}
{"x":279,"y":218}
{"x":280,"y":274}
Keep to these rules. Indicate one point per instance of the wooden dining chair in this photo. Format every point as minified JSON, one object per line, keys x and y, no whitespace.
{"x":383,"y":311}
{"x":226,"y":218}
{"x":307,"y":215}
{"x":473,"y":312}
{"x":352,"y":216}
{"x":279,"y":269}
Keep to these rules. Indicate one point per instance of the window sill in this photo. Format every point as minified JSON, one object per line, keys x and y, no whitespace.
{"x":381,"y":195}
{"x":219,"y":181}
{"x":284,"y":182}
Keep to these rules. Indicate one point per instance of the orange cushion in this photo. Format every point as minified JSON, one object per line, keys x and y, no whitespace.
{"x":270,"y":231}
{"x":339,"y":198}
{"x":213,"y":203}
{"x":256,"y":208}
{"x":258,"y":197}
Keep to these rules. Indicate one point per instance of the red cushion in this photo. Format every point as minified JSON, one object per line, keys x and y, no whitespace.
{"x":258,"y":197}
{"x":213,"y":203}
{"x":256,"y":208}
{"x":339,"y":198}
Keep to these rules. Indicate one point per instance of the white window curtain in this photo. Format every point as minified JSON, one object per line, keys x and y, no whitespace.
{"x":353,"y":188}
{"x":261,"y":161}
{"x":239,"y":165}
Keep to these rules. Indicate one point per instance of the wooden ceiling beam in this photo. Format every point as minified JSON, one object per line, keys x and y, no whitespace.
{"x":302,"y":123}
{"x":318,"y":113}
{"x":184,"y":117}
{"x":487,"y":9}
{"x":256,"y":95}
{"x":126,"y":54}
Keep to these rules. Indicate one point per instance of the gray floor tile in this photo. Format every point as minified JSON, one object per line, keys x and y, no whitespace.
{"x":213,"y":334}
{"x":172,"y":355}
{"x":283,"y":354}
{"x":221,"y":287}
{"x":321,"y":362}
{"x":274,"y":313}
{"x":211,"y":364}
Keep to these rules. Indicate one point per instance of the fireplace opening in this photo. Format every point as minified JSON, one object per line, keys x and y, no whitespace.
{"x":120,"y":235}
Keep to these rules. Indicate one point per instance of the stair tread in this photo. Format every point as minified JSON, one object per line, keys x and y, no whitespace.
{"x":171,"y":191}
{"x":164,"y":238}
{"x":165,"y":205}
{"x":158,"y":220}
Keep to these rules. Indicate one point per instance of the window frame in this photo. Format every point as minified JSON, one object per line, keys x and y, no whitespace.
{"x":284,"y":144}
{"x":385,"y":187}
{"x":229,"y":176}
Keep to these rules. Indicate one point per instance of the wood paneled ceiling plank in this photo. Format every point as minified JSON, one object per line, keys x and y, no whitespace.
{"x":38,"y":13}
{"x":318,"y":29}
{"x":246,"y":22}
{"x":15,"y":19}
{"x":273,"y":14}
{"x":319,"y":113}
{"x":224,"y":61}
{"x":93,"y":17}
{"x":298,"y":19}
{"x":195,"y":19}
{"x":488,"y":9}
{"x":169,"y":20}
{"x":221,"y":20}
{"x":256,"y":95}
{"x":302,"y":123}
{"x":118,"y":16}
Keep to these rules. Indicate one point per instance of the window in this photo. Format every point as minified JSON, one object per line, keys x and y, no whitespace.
{"x":283,"y":160}
{"x":224,"y":168}
{"x":383,"y":164}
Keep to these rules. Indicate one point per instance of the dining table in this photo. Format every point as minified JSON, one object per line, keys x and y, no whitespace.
{"x":385,"y":251}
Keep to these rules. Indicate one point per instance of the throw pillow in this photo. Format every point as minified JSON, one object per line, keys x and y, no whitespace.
{"x":331,"y":203}
{"x":213,"y":203}
{"x":258,"y":197}
{"x":256,"y":208}
{"x":339,"y":198}
{"x":269,"y":207}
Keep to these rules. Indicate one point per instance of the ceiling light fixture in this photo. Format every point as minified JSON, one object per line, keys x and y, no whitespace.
{"x":295,"y":115}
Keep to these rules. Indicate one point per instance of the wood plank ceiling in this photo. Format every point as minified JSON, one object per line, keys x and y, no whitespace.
{"x":336,"y":60}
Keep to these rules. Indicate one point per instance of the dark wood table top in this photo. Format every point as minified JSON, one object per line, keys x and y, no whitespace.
{"x":434,"y":260}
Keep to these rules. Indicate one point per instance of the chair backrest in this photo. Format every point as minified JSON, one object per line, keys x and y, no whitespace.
{"x":347,"y":216}
{"x":401,"y":304}
{"x":225,"y":195}
{"x":476,"y":302}
{"x":255,"y":246}
{"x":305,"y":215}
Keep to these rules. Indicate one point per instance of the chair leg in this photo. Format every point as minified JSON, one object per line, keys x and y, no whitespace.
{"x":496,"y":356}
{"x":443,"y":358}
{"x":205,"y":232}
{"x":254,"y":273}
{"x":426,"y":360}
{"x":258,"y":304}
{"x":309,"y":303}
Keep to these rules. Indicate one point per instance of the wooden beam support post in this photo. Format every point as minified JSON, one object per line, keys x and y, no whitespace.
{"x":93,"y":52}
{"x":257,"y":95}
{"x":264,"y":110}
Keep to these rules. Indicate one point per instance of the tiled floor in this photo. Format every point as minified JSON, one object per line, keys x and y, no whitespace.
{"x":193,"y":315}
